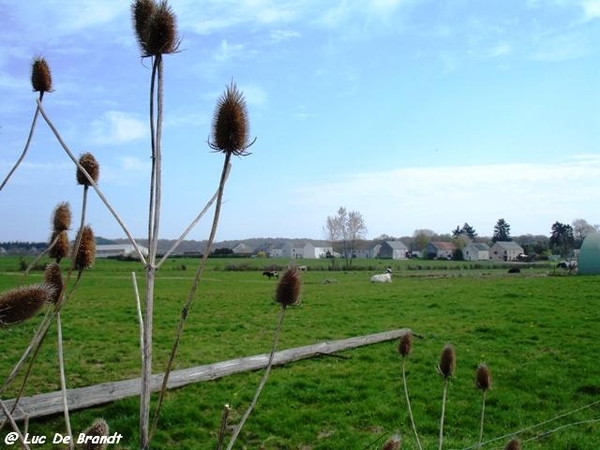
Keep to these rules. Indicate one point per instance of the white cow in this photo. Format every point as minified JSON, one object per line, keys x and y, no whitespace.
{"x":382,"y":277}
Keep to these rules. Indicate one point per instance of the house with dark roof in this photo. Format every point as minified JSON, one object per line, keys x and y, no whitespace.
{"x":505,"y":251}
{"x":390,"y":250}
{"x":476,"y":251}
{"x":440,"y":250}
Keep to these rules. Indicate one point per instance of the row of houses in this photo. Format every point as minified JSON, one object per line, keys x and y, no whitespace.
{"x":473,"y":251}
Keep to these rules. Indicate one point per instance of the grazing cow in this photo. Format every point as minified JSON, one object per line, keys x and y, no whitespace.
{"x":270,"y":274}
{"x":514,"y":270}
{"x":569,"y":266}
{"x":302,"y":268}
{"x":382,"y":277}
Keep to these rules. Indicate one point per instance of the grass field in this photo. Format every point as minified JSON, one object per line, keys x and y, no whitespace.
{"x":537,"y":331}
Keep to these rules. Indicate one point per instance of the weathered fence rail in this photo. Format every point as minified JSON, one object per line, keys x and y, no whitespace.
{"x":51,"y":403}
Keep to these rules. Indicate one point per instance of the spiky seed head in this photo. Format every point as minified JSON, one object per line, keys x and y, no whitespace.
{"x":98,"y":428}
{"x":405,"y":346}
{"x":161,"y":37}
{"x":61,"y":220}
{"x":230,"y":123}
{"x":86,"y":253}
{"x":60,"y":249}
{"x":288,"y":288}
{"x":22,"y":303}
{"x":41,"y":77}
{"x":393,"y":443}
{"x":91,"y":166}
{"x":447,"y":361}
{"x":514,"y":444}
{"x":483,"y":377}
{"x":54,"y":278}
{"x":142,"y":12}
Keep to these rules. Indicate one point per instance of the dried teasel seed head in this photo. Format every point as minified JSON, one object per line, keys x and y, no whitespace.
{"x":60,"y":249}
{"x":514,"y":444}
{"x":142,"y":12}
{"x":393,"y":443}
{"x":86,"y":253}
{"x":54,"y":278}
{"x":447,"y":361}
{"x":98,"y":428}
{"x":483,"y":377}
{"x":161,"y":30}
{"x":91,"y":166}
{"x":405,"y":346}
{"x":61,"y":220}
{"x":41,"y":77}
{"x":230,"y":123}
{"x":22,"y":303}
{"x":288,"y":288}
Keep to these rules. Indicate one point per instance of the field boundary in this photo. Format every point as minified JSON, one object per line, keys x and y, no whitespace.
{"x":46,"y":404}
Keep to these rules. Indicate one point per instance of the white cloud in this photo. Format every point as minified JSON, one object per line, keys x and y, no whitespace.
{"x":591,"y":9}
{"x":117,"y":127}
{"x":254,"y":95}
{"x":529,"y":196}
{"x":228,"y":51}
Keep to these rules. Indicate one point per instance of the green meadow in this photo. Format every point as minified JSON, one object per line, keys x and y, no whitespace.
{"x":538,"y":331}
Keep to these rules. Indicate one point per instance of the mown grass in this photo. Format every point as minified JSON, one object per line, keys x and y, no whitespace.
{"x":538,"y":334}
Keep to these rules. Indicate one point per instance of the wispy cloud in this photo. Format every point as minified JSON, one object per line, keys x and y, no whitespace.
{"x":441,"y":197}
{"x":591,"y":9}
{"x":117,"y":127}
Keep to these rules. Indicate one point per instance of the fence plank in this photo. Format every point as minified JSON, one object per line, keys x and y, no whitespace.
{"x":50,"y":403}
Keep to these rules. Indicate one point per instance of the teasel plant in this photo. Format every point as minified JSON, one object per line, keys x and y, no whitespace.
{"x":483,"y":382}
{"x":405,"y":349}
{"x":98,"y":428}
{"x":229,"y":136}
{"x":41,"y":81}
{"x":287,"y":293}
{"x":446,"y":369}
{"x":58,"y":247}
{"x":156,"y":31}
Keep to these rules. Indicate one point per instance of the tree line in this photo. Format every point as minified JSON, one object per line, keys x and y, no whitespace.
{"x":346,"y":229}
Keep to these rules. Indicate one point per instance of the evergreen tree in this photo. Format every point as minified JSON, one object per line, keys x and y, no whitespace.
{"x":501,"y":231}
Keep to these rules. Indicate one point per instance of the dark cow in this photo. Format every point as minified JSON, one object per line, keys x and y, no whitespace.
{"x":270,"y":274}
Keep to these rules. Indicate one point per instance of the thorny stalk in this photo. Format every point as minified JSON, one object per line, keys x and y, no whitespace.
{"x":63,"y":380}
{"x":262,"y":383}
{"x":441,"y":438}
{"x":93,"y":184}
{"x":190,"y":298}
{"x":27,"y":144}
{"x":481,"y":421}
{"x":410,"y":413}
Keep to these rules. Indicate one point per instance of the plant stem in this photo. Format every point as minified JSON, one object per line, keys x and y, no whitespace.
{"x":441,"y":440}
{"x":153,"y":229}
{"x":190,"y":298}
{"x":410,"y":413}
{"x":262,"y":383}
{"x":479,"y":445}
{"x":63,"y":379}
{"x":93,"y":184}
{"x":27,"y":144}
{"x":223,"y":427}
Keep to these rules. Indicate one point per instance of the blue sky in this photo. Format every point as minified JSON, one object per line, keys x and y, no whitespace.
{"x":416,"y":113}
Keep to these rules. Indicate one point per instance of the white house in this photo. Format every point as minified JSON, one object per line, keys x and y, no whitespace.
{"x":119,"y":250}
{"x":309,"y":251}
{"x":505,"y":251}
{"x":476,"y":251}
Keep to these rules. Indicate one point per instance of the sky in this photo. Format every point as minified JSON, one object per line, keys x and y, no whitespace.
{"x":418,"y":114}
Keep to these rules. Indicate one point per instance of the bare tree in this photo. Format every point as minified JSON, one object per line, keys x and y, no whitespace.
{"x":344,"y":230}
{"x":581,"y":228}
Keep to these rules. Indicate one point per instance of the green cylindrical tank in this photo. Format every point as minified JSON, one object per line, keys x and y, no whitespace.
{"x":589,"y":257}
